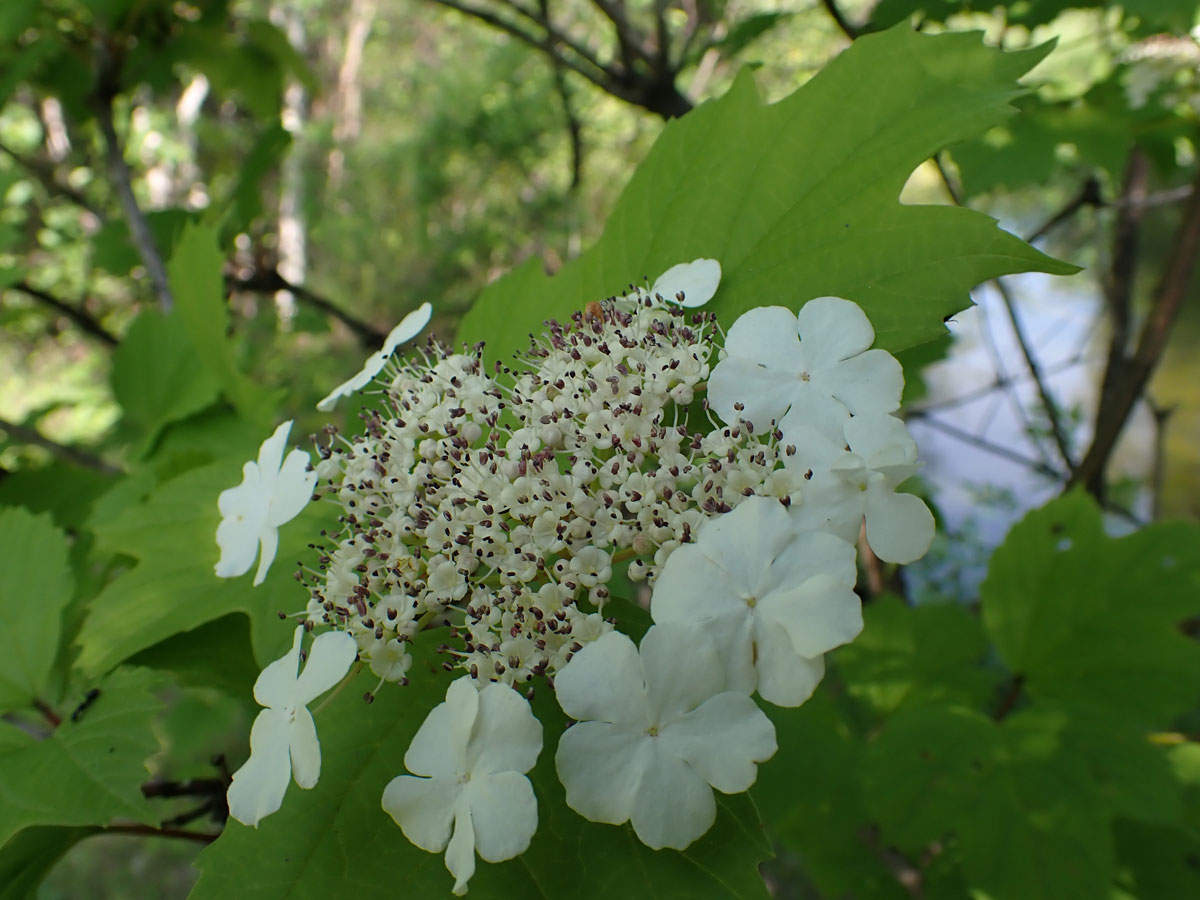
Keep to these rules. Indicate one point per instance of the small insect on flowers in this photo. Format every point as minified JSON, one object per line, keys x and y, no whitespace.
{"x":594,"y":310}
{"x":88,"y":699}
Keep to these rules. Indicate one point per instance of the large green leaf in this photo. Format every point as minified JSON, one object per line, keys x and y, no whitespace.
{"x":1028,"y":802}
{"x":35,"y":585}
{"x":63,"y":490}
{"x":923,"y":774}
{"x":217,"y":655}
{"x":1035,"y":834}
{"x":196,"y":281}
{"x":799,"y":199}
{"x":908,"y":657}
{"x":1026,"y":826}
{"x":90,"y":769}
{"x":1092,"y":620}
{"x":335,"y":839}
{"x":812,"y":803}
{"x":158,"y":375}
{"x":173,"y":588}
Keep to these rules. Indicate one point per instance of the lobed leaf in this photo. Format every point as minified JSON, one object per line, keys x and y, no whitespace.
{"x":908,"y":657}
{"x":1092,"y":620}
{"x":799,"y":199}
{"x":87,"y":772}
{"x":1027,"y":804}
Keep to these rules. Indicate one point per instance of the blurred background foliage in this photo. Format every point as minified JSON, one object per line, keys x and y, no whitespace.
{"x":361,"y":157}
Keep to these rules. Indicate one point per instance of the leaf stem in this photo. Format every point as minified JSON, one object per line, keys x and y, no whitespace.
{"x":47,"y":712}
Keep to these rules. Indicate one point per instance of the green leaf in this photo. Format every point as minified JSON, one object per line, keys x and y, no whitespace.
{"x":198,"y":722}
{"x":217,"y":655}
{"x":173,"y":588}
{"x":1156,"y":861}
{"x":1125,"y":772}
{"x":1028,"y":821}
{"x":63,"y":490}
{"x":1035,"y":835}
{"x":335,"y":839}
{"x":158,"y":376}
{"x":923,"y":774}
{"x":1023,"y":152}
{"x":798,"y":199}
{"x":28,"y":858}
{"x":1091,"y":620}
{"x":88,"y":771}
{"x":113,"y":249}
{"x":244,"y":202}
{"x":1030,"y":801}
{"x":265,"y":36}
{"x":195,"y":275}
{"x":811,"y":800}
{"x":909,"y":657}
{"x":35,"y":585}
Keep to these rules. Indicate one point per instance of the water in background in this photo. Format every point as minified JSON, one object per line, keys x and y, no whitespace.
{"x":983,"y":464}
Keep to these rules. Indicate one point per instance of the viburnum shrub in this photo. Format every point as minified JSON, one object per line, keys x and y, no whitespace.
{"x":501,"y":504}
{"x":586,"y":594}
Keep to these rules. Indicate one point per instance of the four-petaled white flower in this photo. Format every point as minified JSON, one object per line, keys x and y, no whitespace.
{"x":657,"y":731}
{"x":272,"y":492}
{"x":773,"y":598}
{"x":696,"y":280}
{"x":283,"y":739}
{"x":812,"y":369}
{"x":846,"y":484}
{"x":468,"y":792}
{"x":410,"y":326}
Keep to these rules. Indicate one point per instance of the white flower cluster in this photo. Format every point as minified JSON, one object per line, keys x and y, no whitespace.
{"x":504,"y":504}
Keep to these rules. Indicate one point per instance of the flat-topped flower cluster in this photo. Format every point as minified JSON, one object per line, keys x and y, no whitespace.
{"x":632,"y":445}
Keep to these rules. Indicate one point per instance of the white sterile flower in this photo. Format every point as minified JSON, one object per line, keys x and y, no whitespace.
{"x":468,"y":793}
{"x":656,"y":732}
{"x":283,"y":739}
{"x":697,"y":281}
{"x":813,"y":368}
{"x":272,"y":492}
{"x":410,"y":326}
{"x":773,"y":598}
{"x":845,"y":485}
